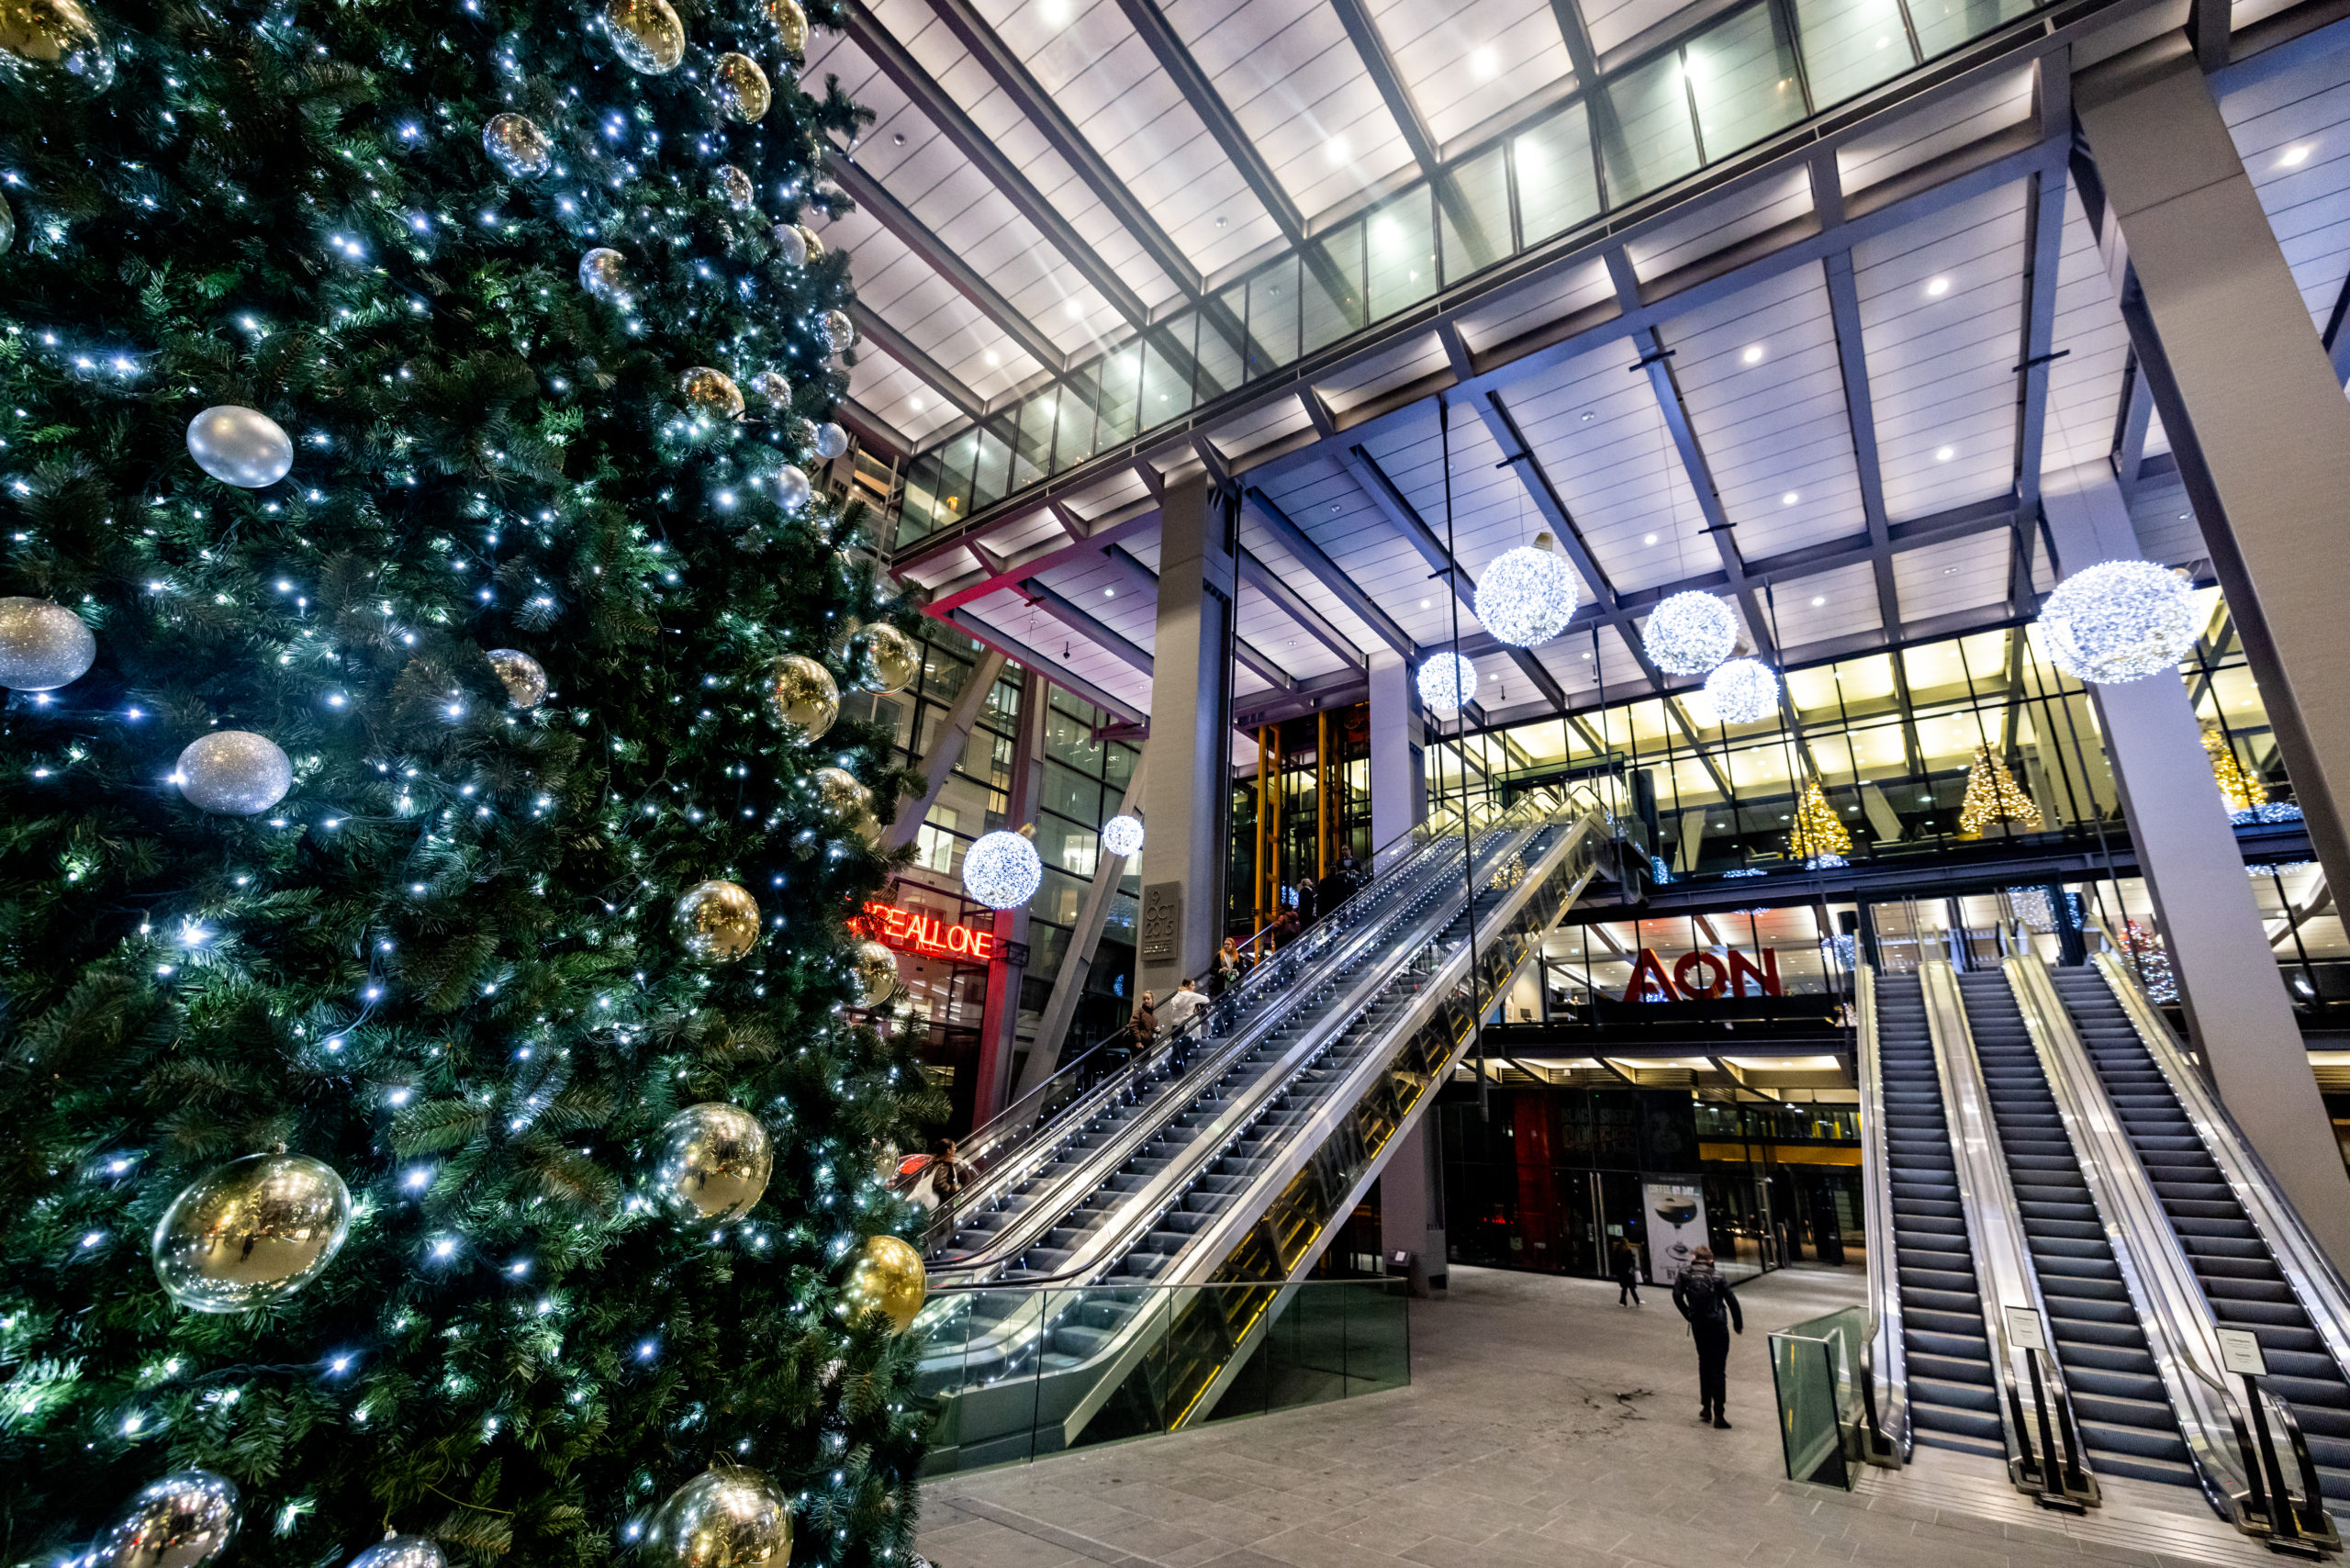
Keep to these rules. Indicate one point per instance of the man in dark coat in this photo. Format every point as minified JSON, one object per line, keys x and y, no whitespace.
{"x":1705,"y":1298}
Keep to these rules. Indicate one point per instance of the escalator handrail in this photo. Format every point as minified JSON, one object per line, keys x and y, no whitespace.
{"x":1884,"y":1354}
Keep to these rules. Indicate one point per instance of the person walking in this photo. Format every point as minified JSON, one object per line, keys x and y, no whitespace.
{"x":1145,"y":1022}
{"x":1624,"y":1260}
{"x":1705,"y":1298}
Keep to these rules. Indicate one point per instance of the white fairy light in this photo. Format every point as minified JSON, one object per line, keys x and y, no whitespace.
{"x":1744,"y":692}
{"x":2119,"y":620}
{"x":1690,"y":634}
{"x":1122,"y":834}
{"x":1527,"y":595}
{"x":1448,"y":683}
{"x":1002,"y":870}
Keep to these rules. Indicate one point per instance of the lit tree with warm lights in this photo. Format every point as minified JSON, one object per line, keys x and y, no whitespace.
{"x":2241,"y":790}
{"x":434,"y":1093}
{"x":1993,"y":796}
{"x":1817,"y":839}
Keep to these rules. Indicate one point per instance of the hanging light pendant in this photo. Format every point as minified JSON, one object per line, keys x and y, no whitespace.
{"x":1690,"y":634}
{"x":2119,"y":620}
{"x":1744,"y":692}
{"x":1003,"y":871}
{"x":1527,"y":595}
{"x":1448,"y":683}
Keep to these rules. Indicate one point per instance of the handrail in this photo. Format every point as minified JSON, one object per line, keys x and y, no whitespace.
{"x":1884,"y":1354}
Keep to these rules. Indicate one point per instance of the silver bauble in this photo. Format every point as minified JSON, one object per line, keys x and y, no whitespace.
{"x":790,"y":27}
{"x":877,"y":973}
{"x":767,"y":384}
{"x":886,"y":659}
{"x":251,"y":1232}
{"x":714,"y":1163}
{"x":52,"y":46}
{"x":710,"y":393}
{"x":735,"y":186}
{"x":801,"y":696}
{"x":401,"y":1551}
{"x":723,"y":1518}
{"x":830,"y":440}
{"x":646,"y":35}
{"x":839,"y":331}
{"x":716,"y":922}
{"x":603,"y":272}
{"x":790,"y":488}
{"x":524,"y":677}
{"x":517,"y":145}
{"x":740,"y":89}
{"x":234,"y":772}
{"x":848,"y":802}
{"x":794,"y":248}
{"x":43,"y":645}
{"x":243,"y":447}
{"x":184,"y":1520}
{"x":8,"y":227}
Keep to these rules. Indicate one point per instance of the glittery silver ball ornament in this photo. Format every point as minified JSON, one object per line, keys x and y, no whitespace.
{"x":716,"y":922}
{"x":603,"y":272}
{"x":1689,"y":634}
{"x":2118,"y":621}
{"x":801,"y":696}
{"x":1003,"y":871}
{"x":43,"y":645}
{"x":886,"y":659}
{"x":1526,"y":595}
{"x":517,"y":145}
{"x":723,"y":1518}
{"x":739,"y":88}
{"x":846,"y":801}
{"x":790,"y":27}
{"x":830,"y":440}
{"x":524,"y":677}
{"x":1448,"y":683}
{"x":839,"y":331}
{"x":772,"y":387}
{"x":52,"y":46}
{"x":184,"y":1520}
{"x":1744,"y":691}
{"x":1122,"y":835}
{"x":877,"y":973}
{"x":788,"y":241}
{"x":735,"y":186}
{"x":251,"y":1232}
{"x":710,"y":393}
{"x":790,"y":488}
{"x":714,"y":1165}
{"x":401,"y":1551}
{"x":234,"y":772}
{"x":243,"y":447}
{"x":646,"y":35}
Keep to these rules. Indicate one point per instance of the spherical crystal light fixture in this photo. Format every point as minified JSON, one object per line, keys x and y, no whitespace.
{"x":2119,"y":620}
{"x":1527,"y":595}
{"x":1122,"y":835}
{"x":1448,"y":683}
{"x":1690,"y":634}
{"x":1002,"y":870}
{"x":1744,"y":692}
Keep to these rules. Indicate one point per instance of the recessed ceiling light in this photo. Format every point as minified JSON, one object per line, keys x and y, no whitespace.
{"x":1754,"y":355}
{"x":2294,"y":157}
{"x":1648,"y":539}
{"x":1589,"y":416}
{"x":1219,"y":220}
{"x":1424,"y":604}
{"x":1485,"y":64}
{"x":1076,"y":309}
{"x":993,"y":359}
{"x":1109,"y":593}
{"x":1937,"y":287}
{"x":1949,"y":571}
{"x":1055,"y":12}
{"x":1944,"y":453}
{"x":1817,"y":600}
{"x":914,"y":404}
{"x":1337,"y":147}
{"x":898,"y":138}
{"x":1790,"y":498}
{"x":1334,"y":506}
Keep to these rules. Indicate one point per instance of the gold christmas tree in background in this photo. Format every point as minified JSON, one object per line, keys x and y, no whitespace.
{"x":1993,"y":796}
{"x":2239,"y":788}
{"x":1817,"y":834}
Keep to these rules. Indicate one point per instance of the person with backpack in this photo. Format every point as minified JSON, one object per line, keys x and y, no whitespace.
{"x":1705,"y":1298}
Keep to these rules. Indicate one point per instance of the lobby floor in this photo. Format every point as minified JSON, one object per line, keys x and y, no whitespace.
{"x":1545,"y":1428}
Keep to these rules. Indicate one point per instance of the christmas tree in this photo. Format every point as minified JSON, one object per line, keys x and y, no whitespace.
{"x":1993,"y":796}
{"x":434,"y":1096}
{"x":1819,"y":840}
{"x":2149,"y":961}
{"x":2242,"y":791}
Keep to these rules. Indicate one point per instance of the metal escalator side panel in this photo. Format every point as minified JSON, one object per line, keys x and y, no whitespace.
{"x":2180,"y":1332}
{"x":1889,"y":1358}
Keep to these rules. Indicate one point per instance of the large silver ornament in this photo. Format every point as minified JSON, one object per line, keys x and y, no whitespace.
{"x":243,"y":447}
{"x":401,"y":1551}
{"x":830,"y":440}
{"x":646,"y":35}
{"x":524,"y":677}
{"x":790,"y":27}
{"x":52,"y":46}
{"x":603,"y":272}
{"x":801,"y":696}
{"x":716,"y":922}
{"x":723,"y":1518}
{"x":184,"y":1520}
{"x":1447,"y":682}
{"x":517,"y":145}
{"x":715,"y":1164}
{"x":735,"y":186}
{"x":1744,"y":692}
{"x":788,"y":241}
{"x":1003,"y":871}
{"x":1526,"y":595}
{"x":1689,"y":634}
{"x":887,"y":660}
{"x":710,"y":393}
{"x":740,"y":88}
{"x":767,"y":384}
{"x":251,"y":1232}
{"x":839,"y":331}
{"x":790,"y":487}
{"x":234,"y":772}
{"x":43,"y":645}
{"x":2119,"y":620}
{"x":877,"y":973}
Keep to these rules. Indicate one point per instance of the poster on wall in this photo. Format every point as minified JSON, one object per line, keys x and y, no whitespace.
{"x":1676,"y":1224}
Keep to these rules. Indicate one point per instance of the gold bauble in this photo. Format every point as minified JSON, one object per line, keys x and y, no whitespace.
{"x":714,"y":1163}
{"x":251,"y":1232}
{"x":646,"y":34}
{"x":524,"y":678}
{"x":7,"y":226}
{"x":729,"y":1517}
{"x":517,"y":145}
{"x":716,"y":922}
{"x":886,"y":659}
{"x":52,"y":45}
{"x":808,"y":238}
{"x":790,"y":27}
{"x":734,"y":186}
{"x":712,"y":393}
{"x":43,"y":645}
{"x":846,"y":801}
{"x":887,"y":1278}
{"x":767,"y":384}
{"x":740,"y":88}
{"x":801,"y":696}
{"x":877,"y":973}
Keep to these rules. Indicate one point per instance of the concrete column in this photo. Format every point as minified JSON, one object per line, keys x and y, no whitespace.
{"x":946,"y":749}
{"x":1399,"y":789}
{"x":2251,"y":403}
{"x":1068,"y":986}
{"x":2236,"y":1007}
{"x":999,"y":1021}
{"x":1187,"y":794}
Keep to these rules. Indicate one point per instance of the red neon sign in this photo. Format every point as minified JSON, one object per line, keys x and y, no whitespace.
{"x":911,"y":931}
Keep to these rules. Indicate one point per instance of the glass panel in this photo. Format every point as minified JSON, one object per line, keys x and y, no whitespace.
{"x":1654,"y":143}
{"x":1272,"y":317}
{"x":921,"y":506}
{"x":1121,"y":391}
{"x":1333,"y":288}
{"x":1475,"y":213}
{"x":1076,"y":797}
{"x":1946,"y":23}
{"x":1851,"y":45}
{"x":1556,"y":185}
{"x":1073,"y":442}
{"x":1402,"y":254}
{"x":1167,"y":369}
{"x":1032,"y":450}
{"x":1742,"y":74}
{"x":1223,"y":342}
{"x":992,"y":483}
{"x":955,"y":480}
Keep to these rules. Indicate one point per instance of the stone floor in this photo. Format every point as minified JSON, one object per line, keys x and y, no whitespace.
{"x":1545,"y":1428}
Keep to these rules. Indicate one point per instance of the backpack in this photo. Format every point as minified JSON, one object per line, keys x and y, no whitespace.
{"x":1703,"y":1290}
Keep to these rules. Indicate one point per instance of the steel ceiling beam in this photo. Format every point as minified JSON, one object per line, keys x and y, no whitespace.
{"x":1069,"y":613}
{"x":1325,"y":571}
{"x":1860,"y":403}
{"x":1265,"y":580}
{"x":1146,"y":581}
{"x":2045,"y":247}
{"x":1174,"y":56}
{"x":906,"y":351}
{"x":1503,"y":426}
{"x":1051,"y":670}
{"x":1371,"y":48}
